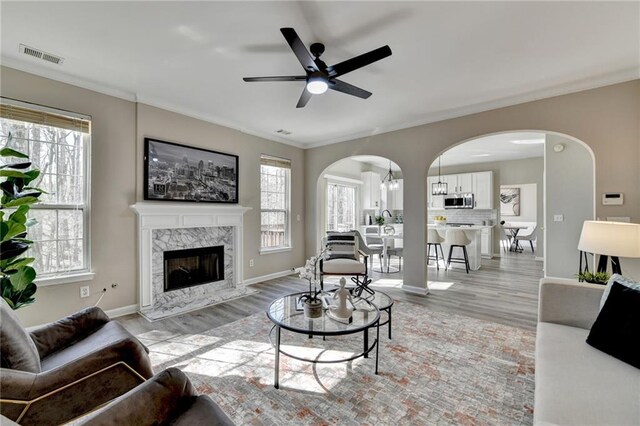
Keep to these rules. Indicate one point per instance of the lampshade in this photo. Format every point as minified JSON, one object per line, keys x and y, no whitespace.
{"x":610,"y":238}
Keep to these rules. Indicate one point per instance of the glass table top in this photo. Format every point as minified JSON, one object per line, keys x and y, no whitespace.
{"x":284,"y":313}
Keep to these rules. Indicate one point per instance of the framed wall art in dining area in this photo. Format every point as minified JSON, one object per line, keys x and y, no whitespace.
{"x":175,"y":172}
{"x":509,"y":201}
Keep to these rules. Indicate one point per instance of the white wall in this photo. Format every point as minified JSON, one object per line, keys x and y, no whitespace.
{"x":528,"y":203}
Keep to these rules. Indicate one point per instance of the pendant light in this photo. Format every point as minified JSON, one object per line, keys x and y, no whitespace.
{"x":389,"y":181}
{"x":439,"y":188}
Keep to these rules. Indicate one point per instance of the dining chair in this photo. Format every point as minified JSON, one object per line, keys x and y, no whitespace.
{"x":505,"y":238}
{"x":457,"y":238}
{"x":396,"y":251}
{"x":435,"y":240}
{"x":531,"y":236}
{"x":370,"y":251}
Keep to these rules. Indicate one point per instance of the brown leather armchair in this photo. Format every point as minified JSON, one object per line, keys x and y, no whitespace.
{"x":167,"y":399}
{"x":67,"y":368}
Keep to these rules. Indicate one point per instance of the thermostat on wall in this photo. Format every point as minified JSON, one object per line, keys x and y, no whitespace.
{"x":612,"y":198}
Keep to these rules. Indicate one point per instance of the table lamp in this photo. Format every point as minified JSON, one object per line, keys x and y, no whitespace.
{"x":609,"y":239}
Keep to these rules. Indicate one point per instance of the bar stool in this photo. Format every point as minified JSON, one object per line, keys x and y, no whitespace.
{"x":458,"y":238}
{"x":434,"y":240}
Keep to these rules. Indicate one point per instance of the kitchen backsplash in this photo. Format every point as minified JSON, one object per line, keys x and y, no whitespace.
{"x":474,"y":216}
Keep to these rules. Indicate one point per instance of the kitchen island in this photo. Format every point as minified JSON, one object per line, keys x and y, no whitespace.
{"x":474,"y":250}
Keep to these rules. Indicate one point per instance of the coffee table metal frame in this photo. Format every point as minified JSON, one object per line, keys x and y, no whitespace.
{"x":278,"y":326}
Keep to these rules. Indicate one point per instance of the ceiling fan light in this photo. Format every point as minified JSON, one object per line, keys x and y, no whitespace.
{"x":317,"y":85}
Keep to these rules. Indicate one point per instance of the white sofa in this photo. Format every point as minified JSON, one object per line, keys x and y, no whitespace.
{"x":577,"y":384}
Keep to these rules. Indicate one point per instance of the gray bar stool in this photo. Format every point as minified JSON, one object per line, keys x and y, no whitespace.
{"x":458,"y":238}
{"x":434,"y":240}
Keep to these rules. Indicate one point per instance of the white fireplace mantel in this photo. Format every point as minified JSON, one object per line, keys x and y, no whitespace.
{"x":172,"y":215}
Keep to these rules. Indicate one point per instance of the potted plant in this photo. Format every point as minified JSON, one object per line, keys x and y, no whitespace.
{"x":312,"y":304}
{"x":594,"y":277}
{"x":16,"y":276}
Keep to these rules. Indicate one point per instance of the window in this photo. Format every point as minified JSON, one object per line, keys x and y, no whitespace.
{"x":57,"y":144}
{"x":341,"y":207}
{"x":275,"y":194}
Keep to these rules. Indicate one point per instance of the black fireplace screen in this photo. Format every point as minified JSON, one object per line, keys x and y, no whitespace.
{"x":186,"y":268}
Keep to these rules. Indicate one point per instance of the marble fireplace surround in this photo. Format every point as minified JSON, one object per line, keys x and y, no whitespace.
{"x":168,"y":226}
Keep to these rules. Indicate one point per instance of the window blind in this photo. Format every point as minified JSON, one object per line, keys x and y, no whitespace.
{"x":267,"y":160}
{"x":18,"y":113}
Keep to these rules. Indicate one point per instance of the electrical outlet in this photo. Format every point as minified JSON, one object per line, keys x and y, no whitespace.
{"x":250,"y":263}
{"x":85,"y":292}
{"x":558,"y":218}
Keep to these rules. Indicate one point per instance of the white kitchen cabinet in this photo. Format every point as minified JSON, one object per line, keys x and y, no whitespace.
{"x":395,"y":197}
{"x":370,"y":194}
{"x":483,"y":190}
{"x":464,"y":183}
{"x":486,"y":242}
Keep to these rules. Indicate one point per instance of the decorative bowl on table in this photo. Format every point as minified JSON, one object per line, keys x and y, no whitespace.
{"x":440,"y":222}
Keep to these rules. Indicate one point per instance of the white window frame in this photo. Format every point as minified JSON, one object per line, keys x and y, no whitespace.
{"x":349,"y":183}
{"x":85,"y":274}
{"x":287,"y":211}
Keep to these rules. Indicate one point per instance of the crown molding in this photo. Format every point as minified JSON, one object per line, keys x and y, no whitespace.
{"x":558,"y":90}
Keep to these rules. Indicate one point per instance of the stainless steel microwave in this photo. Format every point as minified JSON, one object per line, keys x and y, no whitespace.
{"x":459,"y":201}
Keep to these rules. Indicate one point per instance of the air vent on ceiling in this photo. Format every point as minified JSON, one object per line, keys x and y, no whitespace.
{"x":37,"y":53}
{"x":283,"y":132}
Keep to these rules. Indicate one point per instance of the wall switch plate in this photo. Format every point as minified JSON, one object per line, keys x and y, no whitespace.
{"x":84,"y":291}
{"x":298,"y":217}
{"x":558,"y":218}
{"x":250,"y":263}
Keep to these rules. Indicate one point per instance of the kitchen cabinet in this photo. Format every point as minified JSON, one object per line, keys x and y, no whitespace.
{"x":483,"y":190}
{"x":464,"y":182}
{"x":486,"y":242}
{"x":370,"y":194}
{"x":395,"y":197}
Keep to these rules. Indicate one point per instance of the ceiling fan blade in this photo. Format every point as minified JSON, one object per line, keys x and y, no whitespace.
{"x":299,"y":50}
{"x":359,"y":61}
{"x":282,"y":78}
{"x":304,"y":98}
{"x":349,"y":89}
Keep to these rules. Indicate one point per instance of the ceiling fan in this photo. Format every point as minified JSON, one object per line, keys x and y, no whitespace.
{"x":320,"y":77}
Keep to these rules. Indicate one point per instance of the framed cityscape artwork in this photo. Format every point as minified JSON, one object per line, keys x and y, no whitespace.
{"x":174,"y":172}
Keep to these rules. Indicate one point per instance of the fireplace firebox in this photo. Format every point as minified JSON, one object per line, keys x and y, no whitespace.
{"x":190,"y":267}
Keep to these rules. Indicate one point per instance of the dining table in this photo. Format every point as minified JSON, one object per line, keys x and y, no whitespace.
{"x":514,"y":229}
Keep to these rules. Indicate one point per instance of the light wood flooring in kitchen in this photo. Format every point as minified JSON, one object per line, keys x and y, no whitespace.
{"x":504,"y":290}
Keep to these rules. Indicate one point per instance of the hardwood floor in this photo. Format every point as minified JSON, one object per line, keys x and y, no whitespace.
{"x":504,"y":290}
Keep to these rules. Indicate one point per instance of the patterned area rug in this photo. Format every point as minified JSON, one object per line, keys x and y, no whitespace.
{"x":438,"y":369}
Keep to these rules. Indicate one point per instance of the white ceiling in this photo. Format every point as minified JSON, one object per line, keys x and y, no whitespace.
{"x":449,"y":58}
{"x":495,"y":148}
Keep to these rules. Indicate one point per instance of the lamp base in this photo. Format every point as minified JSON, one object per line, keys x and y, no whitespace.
{"x":615,"y":264}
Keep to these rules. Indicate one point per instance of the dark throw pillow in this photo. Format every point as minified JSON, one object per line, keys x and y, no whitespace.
{"x":617,"y":328}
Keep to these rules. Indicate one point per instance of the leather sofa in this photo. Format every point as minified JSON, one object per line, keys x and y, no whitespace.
{"x":167,"y":399}
{"x":577,"y":384}
{"x":67,"y":368}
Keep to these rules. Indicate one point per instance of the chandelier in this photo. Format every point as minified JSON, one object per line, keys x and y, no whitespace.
{"x":439,"y":188}
{"x":389,"y":182}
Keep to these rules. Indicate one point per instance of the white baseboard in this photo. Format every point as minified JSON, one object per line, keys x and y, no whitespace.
{"x":539,"y":259}
{"x":256,"y":280}
{"x":119,"y":312}
{"x":422,"y":291}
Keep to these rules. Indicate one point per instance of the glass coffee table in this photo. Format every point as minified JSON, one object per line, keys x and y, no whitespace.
{"x":284,"y":315}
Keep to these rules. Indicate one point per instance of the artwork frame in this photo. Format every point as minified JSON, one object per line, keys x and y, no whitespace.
{"x":509,"y":201}
{"x":169,"y":176}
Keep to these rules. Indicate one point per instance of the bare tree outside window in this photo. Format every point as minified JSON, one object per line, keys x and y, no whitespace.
{"x":60,"y":236}
{"x":274,"y":203}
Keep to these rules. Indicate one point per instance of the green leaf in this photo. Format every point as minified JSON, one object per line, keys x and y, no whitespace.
{"x":14,"y":173}
{"x":18,"y":263}
{"x":22,"y":278}
{"x":9,"y":302}
{"x":31,"y":175}
{"x":21,"y":201}
{"x":20,"y":166}
{"x":11,"y":230}
{"x":18,"y":217}
{"x":8,"y":152}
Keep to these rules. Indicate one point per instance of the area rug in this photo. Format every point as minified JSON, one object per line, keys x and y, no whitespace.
{"x":439,"y":368}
